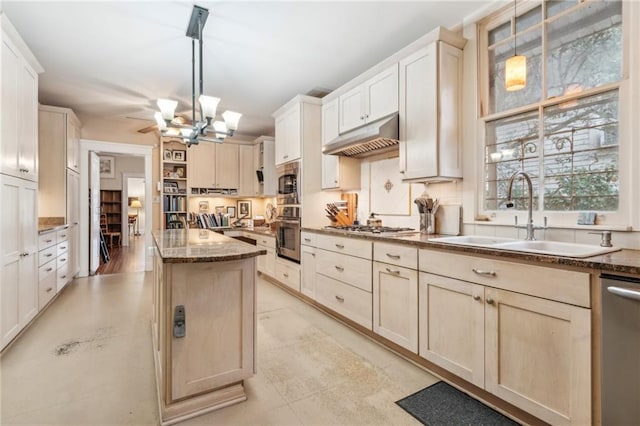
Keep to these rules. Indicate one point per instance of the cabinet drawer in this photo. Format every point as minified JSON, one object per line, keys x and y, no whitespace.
{"x":348,"y":269}
{"x":63,"y":235}
{"x":405,"y":256}
{"x":308,"y":239}
{"x":62,"y":277}
{"x":288,"y":274}
{"x":62,"y":260}
{"x":549,"y":283}
{"x":47,"y":255}
{"x":46,"y":240}
{"x":62,"y":248}
{"x":264,"y":241}
{"x":47,"y":288}
{"x":350,"y":246}
{"x":48,"y":268}
{"x":346,"y":300}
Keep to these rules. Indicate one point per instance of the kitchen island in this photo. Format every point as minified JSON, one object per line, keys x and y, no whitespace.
{"x":203,"y":321}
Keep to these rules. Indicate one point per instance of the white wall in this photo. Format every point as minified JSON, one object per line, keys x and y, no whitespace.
{"x":123,"y":164}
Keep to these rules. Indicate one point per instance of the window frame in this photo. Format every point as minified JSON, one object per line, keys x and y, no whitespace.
{"x":623,"y":218}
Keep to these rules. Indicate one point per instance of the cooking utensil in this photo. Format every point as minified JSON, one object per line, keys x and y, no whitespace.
{"x":374,"y":221}
{"x":418,"y":202}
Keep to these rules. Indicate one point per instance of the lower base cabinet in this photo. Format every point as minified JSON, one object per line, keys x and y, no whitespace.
{"x":347,"y":300}
{"x":308,"y":271}
{"x":288,"y":273}
{"x":531,"y":352}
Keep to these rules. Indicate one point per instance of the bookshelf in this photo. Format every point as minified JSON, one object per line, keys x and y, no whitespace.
{"x":173,"y":166}
{"x":111,"y":206}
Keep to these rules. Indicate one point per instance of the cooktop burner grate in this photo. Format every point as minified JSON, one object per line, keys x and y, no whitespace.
{"x":371,"y":229}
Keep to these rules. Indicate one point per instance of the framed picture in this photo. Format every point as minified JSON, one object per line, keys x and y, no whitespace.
{"x":231,"y":211}
{"x":178,"y":155}
{"x":107,"y":167}
{"x":166,"y":155}
{"x":244,"y":208}
{"x":203,"y":207}
{"x":180,"y":172}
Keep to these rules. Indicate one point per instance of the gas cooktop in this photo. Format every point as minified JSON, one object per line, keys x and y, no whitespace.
{"x":369,"y":229}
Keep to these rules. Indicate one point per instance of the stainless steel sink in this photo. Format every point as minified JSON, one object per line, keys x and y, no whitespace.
{"x":551,"y":248}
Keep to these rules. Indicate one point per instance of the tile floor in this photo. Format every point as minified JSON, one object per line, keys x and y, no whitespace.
{"x":88,"y":361}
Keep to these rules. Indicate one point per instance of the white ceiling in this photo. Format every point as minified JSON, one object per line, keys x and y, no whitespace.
{"x":114,"y":59}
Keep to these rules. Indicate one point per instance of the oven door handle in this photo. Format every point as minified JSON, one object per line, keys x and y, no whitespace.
{"x":293,"y":222}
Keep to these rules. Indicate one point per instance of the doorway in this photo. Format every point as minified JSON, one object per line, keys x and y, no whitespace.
{"x":89,"y":253}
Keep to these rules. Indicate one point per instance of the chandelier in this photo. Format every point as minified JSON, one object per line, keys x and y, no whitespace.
{"x":200,"y":130}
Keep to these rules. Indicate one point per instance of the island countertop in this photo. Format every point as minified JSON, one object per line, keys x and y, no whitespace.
{"x":201,"y":245}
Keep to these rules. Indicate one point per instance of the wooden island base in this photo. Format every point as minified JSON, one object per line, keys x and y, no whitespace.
{"x":203,"y":330}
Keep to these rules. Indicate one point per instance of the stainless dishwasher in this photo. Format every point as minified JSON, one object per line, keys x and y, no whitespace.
{"x":620,"y":350}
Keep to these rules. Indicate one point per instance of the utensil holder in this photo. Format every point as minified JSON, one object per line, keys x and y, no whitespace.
{"x":428,"y":223}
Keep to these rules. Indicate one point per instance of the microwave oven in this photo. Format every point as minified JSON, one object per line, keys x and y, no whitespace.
{"x":289,"y":183}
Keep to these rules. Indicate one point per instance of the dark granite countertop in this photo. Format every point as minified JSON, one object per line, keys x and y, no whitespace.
{"x":201,"y":245}
{"x":623,"y":261}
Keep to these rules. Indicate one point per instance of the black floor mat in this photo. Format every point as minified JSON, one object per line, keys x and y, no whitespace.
{"x":443,"y":405}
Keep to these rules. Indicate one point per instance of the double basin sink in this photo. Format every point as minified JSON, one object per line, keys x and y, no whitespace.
{"x":551,"y":248}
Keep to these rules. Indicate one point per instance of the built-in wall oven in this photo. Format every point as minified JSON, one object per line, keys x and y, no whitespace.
{"x":288,"y":233}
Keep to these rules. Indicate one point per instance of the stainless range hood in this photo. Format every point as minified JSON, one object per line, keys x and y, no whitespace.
{"x":374,"y":138}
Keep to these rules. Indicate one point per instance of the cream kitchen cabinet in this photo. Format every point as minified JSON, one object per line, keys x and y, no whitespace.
{"x":288,"y":134}
{"x":395,"y":294}
{"x":288,"y":273}
{"x":430,"y":107}
{"x":212,"y":165}
{"x":373,"y":99}
{"x":19,"y":255}
{"x":264,"y":155}
{"x":521,"y":332}
{"x":58,"y":131}
{"x":18,"y":106}
{"x":338,"y":173}
{"x":73,"y":219}
{"x":308,"y":271}
{"x":266,"y":262}
{"x":247,"y":178}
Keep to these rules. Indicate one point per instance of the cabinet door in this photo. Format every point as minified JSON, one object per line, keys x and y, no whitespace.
{"x":330,"y":125}
{"x":227,"y":165}
{"x":281,"y":139}
{"x":270,"y":262}
{"x":351,"y":110}
{"x":201,"y":159}
{"x":27,"y":122}
{"x":419,"y":114}
{"x":538,"y":356}
{"x":330,"y":172}
{"x":10,"y":252}
{"x":246,"y":171}
{"x":294,"y":133}
{"x":308,"y":265}
{"x":10,"y":75}
{"x":381,"y":94}
{"x":270,"y":185}
{"x":451,"y":323}
{"x":217,"y":348}
{"x":73,"y":145}
{"x":395,"y":304}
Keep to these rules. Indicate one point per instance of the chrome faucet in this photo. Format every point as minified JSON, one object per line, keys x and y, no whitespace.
{"x":530,"y":227}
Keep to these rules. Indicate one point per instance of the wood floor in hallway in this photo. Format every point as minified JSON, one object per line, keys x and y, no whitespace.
{"x":125,"y":258}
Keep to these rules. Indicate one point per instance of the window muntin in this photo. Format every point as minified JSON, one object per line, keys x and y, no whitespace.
{"x":565,"y":179}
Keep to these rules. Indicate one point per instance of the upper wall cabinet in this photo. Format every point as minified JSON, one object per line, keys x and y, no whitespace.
{"x":19,"y":106}
{"x":59,"y":135}
{"x":373,"y":99}
{"x":338,"y":173}
{"x":430,"y":107}
{"x":264,"y":155}
{"x":288,"y":134}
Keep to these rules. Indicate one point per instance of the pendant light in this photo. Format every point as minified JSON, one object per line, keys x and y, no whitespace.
{"x":515,"y":69}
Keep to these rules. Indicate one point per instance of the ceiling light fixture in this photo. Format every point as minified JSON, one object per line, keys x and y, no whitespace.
{"x":515,"y":69}
{"x":198,"y":131}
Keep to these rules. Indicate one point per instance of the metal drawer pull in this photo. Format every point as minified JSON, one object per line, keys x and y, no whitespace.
{"x":63,"y":277}
{"x":393,"y":256}
{"x":490,"y":301}
{"x":63,"y":248}
{"x":340,"y":246}
{"x":264,"y":242}
{"x":339,"y":268}
{"x":476,"y":297}
{"x":624,"y":292}
{"x":25,"y":254}
{"x":63,"y":236}
{"x":48,"y":255}
{"x":63,"y":260}
{"x":308,"y":240}
{"x":339,"y":298}
{"x":393,"y":271}
{"x":285,"y":275}
{"x":49,"y":270}
{"x":48,"y":241}
{"x":49,"y":289}
{"x":481,"y":272}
